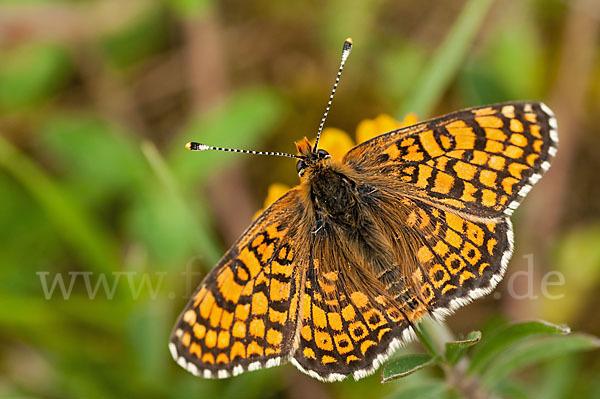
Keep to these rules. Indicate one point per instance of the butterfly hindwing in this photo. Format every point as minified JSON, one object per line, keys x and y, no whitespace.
{"x":460,"y":258}
{"x":356,"y":312}
{"x":480,"y":161}
{"x":347,"y":328}
{"x":243,"y":315}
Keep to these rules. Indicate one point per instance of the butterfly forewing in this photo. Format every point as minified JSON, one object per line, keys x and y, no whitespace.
{"x":244,"y":314}
{"x":480,"y":161}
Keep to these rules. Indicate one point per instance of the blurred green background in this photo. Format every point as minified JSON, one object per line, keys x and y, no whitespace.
{"x":98,"y":98}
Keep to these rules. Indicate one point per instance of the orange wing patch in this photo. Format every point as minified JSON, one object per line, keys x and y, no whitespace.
{"x":350,"y":333}
{"x":481,"y":161}
{"x":244,"y":314}
{"x":465,"y":258}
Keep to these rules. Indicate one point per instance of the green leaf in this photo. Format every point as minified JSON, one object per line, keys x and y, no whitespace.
{"x":26,"y":227}
{"x":399,"y":67}
{"x":430,"y":389}
{"x":31,"y":73}
{"x":509,"y":66}
{"x":558,"y":378}
{"x":406,"y":365}
{"x":241,"y":122}
{"x":85,"y":145}
{"x":535,"y":351}
{"x":93,"y":244}
{"x":254,"y":385}
{"x":488,"y":349}
{"x":456,"y":349}
{"x":513,"y":390}
{"x":141,"y":37}
{"x":147,"y":348}
{"x":446,"y":60}
{"x":192,"y":8}
{"x":173,"y":210}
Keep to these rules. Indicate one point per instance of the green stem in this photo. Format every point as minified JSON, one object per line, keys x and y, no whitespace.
{"x":455,"y":374}
{"x":427,"y":340}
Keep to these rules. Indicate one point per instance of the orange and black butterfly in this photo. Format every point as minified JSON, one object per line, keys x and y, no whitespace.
{"x":334,"y":275}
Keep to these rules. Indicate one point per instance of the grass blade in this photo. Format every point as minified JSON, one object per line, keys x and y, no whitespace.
{"x":94,"y":246}
{"x":446,"y":60}
{"x":202,"y":236}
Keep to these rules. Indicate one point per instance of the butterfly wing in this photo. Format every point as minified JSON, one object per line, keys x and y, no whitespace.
{"x":458,"y":258}
{"x":440,"y":195}
{"x":461,"y":175}
{"x":481,"y":161}
{"x":349,"y":324}
{"x":359,"y":303}
{"x":435,"y":235}
{"x":243,"y":315}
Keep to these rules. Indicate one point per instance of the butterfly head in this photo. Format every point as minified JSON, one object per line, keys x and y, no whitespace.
{"x":309,"y":157}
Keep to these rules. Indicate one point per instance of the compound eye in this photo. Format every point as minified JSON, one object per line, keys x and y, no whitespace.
{"x":300,"y":165}
{"x":322,"y":153}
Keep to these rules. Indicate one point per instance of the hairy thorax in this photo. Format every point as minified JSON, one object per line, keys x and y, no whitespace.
{"x":334,"y":195}
{"x":344,"y":208}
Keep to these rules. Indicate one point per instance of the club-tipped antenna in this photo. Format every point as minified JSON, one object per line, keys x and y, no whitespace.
{"x":345,"y":53}
{"x":193,"y":146}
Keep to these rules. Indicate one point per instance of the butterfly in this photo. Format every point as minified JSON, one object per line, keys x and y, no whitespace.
{"x":334,"y":275}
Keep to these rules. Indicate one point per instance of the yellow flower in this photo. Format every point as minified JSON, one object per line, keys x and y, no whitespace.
{"x":338,"y":143}
{"x":369,"y":128}
{"x":274,"y":192}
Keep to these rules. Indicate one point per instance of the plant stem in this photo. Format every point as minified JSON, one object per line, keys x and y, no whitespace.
{"x":427,"y":340}
{"x":468,"y":386}
{"x":456,"y":375}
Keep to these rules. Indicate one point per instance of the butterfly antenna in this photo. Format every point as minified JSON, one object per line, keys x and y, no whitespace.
{"x":193,"y":146}
{"x":345,"y":53}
